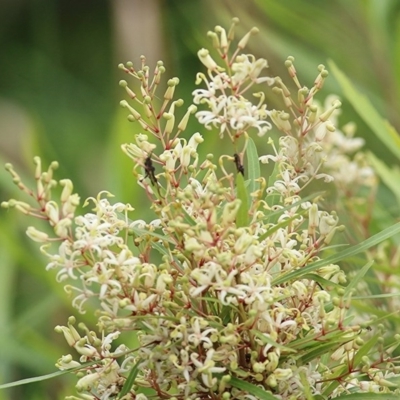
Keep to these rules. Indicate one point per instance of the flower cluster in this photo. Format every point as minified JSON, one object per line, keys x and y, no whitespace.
{"x":213,"y":287}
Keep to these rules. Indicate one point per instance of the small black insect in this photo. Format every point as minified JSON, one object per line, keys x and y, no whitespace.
{"x":149,"y":169}
{"x":238,"y":164}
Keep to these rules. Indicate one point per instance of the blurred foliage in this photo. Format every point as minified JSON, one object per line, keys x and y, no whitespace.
{"x":59,"y":99}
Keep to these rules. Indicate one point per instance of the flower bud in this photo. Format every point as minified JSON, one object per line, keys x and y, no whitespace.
{"x":87,"y":382}
{"x":207,"y":60}
{"x":223,"y":38}
{"x":37,"y":236}
{"x":245,"y":39}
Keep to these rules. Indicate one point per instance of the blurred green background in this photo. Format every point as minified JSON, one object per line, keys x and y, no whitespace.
{"x":59,"y":98}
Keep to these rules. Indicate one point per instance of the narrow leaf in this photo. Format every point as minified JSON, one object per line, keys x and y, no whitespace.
{"x":360,"y":274}
{"x":334,"y":258}
{"x":252,"y":389}
{"x":390,"y":177}
{"x":130,"y":380}
{"x":368,"y":396}
{"x":35,"y":379}
{"x":253,"y":165}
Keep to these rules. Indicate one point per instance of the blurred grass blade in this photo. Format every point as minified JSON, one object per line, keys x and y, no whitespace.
{"x":368,"y":396}
{"x":355,"y":281}
{"x":389,"y":176}
{"x":382,"y":128}
{"x":334,"y":258}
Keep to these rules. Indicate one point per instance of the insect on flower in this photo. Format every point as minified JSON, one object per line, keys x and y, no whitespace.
{"x":239,"y":165}
{"x":149,"y":169}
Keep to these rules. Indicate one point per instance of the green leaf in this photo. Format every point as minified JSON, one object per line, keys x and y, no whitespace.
{"x":252,"y":389}
{"x":376,"y":296}
{"x":382,"y":128}
{"x":321,"y":349}
{"x":334,"y":258}
{"x":242,"y":216}
{"x":130,"y":380}
{"x":35,"y":379}
{"x":325,"y":283}
{"x":253,"y":165}
{"x":47,"y":376}
{"x":360,"y":274}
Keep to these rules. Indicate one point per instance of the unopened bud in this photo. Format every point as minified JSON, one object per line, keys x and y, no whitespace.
{"x":36,"y":235}
{"x":86,"y":383}
{"x":135,"y":115}
{"x":207,"y":60}
{"x":245,"y":39}
{"x":223,"y":37}
{"x":67,"y":189}
{"x":191,"y":110}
